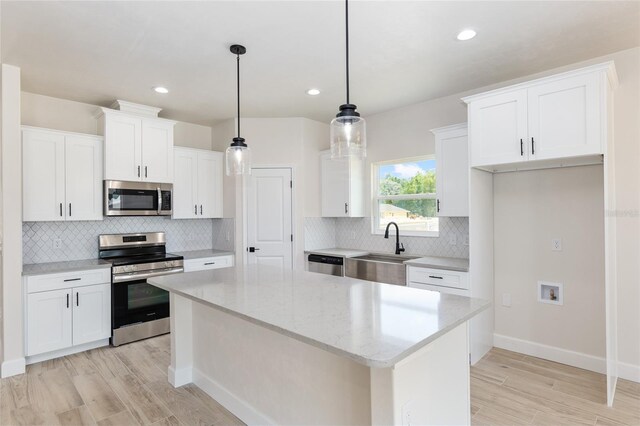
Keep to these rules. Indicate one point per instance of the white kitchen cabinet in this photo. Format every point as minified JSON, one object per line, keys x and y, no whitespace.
{"x":137,"y":148}
{"x":437,"y":277}
{"x":91,"y":313}
{"x":452,"y":170}
{"x":65,"y":310}
{"x":62,"y":175}
{"x":342,"y":186}
{"x":49,"y":321}
{"x":197,"y":188}
{"x":206,"y":263}
{"x":553,"y":118}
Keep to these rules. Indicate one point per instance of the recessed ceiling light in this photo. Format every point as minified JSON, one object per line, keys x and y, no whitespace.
{"x":313,"y":92}
{"x":160,"y":89}
{"x":466,"y":35}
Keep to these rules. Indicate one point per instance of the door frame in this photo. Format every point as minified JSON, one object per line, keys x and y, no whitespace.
{"x":245,"y":212}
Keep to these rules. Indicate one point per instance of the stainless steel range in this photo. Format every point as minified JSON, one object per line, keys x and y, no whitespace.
{"x":138,"y":309}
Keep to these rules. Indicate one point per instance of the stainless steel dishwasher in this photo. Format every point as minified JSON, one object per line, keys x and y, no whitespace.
{"x":323,"y":264}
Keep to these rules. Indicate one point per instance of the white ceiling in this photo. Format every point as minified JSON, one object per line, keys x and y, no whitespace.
{"x":403,"y":52}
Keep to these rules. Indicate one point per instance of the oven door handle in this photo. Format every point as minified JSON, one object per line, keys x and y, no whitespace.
{"x":135,"y":276}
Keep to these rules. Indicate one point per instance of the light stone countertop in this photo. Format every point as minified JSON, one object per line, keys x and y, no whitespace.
{"x":374,"y":324}
{"x":31,"y":269}
{"x":201,"y":254}
{"x":449,"y":263}
{"x":340,"y":252}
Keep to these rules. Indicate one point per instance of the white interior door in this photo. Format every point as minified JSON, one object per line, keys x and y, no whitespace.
{"x":269,"y":223}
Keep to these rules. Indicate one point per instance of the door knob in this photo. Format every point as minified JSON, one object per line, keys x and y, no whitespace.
{"x":252,"y":249}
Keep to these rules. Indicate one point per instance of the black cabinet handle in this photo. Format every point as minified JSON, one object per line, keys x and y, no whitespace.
{"x":60,"y":209}
{"x":195,"y":209}
{"x":72,"y":279}
{"x":200,"y":209}
{"x":67,"y":300}
{"x":436,"y":277}
{"x":210,"y":263}
{"x":77,"y":299}
{"x":346,"y":208}
{"x":69,"y":209}
{"x":145,"y":171}
{"x":533,"y":146}
{"x":138,"y":171}
{"x":438,"y":205}
{"x":521,"y":148}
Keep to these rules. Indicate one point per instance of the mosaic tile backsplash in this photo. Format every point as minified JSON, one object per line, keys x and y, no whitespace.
{"x":80,"y":239}
{"x":355,"y":233}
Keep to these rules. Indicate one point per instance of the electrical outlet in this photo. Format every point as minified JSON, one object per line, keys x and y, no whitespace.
{"x":466,"y":240}
{"x":506,"y":300}
{"x":452,"y":239}
{"x":556,"y":244}
{"x":57,"y":243}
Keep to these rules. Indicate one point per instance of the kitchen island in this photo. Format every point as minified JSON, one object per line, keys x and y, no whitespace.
{"x":293,"y":347}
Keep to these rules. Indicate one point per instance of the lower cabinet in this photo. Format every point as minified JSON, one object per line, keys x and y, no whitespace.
{"x":202,"y":264}
{"x":66,"y":317}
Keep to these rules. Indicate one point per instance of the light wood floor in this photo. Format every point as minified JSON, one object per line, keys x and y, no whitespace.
{"x":128,"y":386}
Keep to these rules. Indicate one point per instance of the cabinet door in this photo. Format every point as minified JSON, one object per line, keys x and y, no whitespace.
{"x":42,"y":176}
{"x":498,"y":129}
{"x":91,"y":313}
{"x":185,"y":184}
{"x":123,"y":147}
{"x":209,"y":184}
{"x":564,"y":118}
{"x":49,"y":320}
{"x":335,"y":186}
{"x":452,"y":173}
{"x":83,"y":178}
{"x":157,"y":151}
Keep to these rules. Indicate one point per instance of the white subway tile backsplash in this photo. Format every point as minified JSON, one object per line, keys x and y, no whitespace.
{"x":319,"y":233}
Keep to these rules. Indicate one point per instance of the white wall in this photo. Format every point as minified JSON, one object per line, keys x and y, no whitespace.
{"x":62,"y":114}
{"x":12,"y":332}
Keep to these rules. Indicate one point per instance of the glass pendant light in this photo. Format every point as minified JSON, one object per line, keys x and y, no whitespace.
{"x":238,"y":154}
{"x":348,"y":129}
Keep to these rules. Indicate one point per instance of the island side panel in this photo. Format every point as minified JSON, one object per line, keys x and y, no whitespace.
{"x":430,"y":387}
{"x":181,"y":322}
{"x":264,"y":377}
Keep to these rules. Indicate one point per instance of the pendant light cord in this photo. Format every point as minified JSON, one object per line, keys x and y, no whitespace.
{"x":238,"y":87}
{"x":346,"y":13}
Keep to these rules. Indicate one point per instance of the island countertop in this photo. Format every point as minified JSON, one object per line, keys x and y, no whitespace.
{"x":374,"y":324}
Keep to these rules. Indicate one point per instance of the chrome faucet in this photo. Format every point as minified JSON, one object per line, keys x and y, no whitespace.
{"x":399,"y":247}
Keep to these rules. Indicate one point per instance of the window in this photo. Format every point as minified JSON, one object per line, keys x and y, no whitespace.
{"x":405,"y":193}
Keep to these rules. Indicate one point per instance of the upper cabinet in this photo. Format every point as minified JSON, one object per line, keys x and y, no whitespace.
{"x":342,"y":186}
{"x":562,"y":117}
{"x":197,"y":187}
{"x":62,"y":175}
{"x":137,"y":148}
{"x":452,"y":170}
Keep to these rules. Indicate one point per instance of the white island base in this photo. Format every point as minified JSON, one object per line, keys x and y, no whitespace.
{"x":266,"y":377}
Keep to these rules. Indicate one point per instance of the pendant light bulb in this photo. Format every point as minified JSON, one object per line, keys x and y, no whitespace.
{"x":348,"y":130}
{"x":238,"y":155}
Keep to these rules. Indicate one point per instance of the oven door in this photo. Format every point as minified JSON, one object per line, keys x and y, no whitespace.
{"x":136,"y":302}
{"x":136,"y":198}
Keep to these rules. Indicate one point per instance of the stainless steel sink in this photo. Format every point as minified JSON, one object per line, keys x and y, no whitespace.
{"x":381,"y":268}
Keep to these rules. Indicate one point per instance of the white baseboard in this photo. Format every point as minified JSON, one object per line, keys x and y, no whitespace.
{"x":67,"y":351}
{"x":180,"y":377}
{"x":565,"y":356}
{"x":231,"y":402}
{"x":13,"y":367}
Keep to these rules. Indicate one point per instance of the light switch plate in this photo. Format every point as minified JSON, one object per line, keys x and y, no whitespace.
{"x":57,"y":243}
{"x":556,"y":244}
{"x":506,"y":300}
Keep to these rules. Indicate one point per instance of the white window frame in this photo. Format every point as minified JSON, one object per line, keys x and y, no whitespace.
{"x":375,"y":199}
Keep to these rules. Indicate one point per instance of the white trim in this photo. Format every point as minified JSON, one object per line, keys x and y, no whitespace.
{"x":180,"y":377}
{"x":564,"y":356}
{"x":13,"y":367}
{"x":61,"y":132}
{"x":66,"y":351}
{"x":240,"y":408}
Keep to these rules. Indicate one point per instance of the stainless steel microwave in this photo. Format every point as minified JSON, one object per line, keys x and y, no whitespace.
{"x":137,"y":198}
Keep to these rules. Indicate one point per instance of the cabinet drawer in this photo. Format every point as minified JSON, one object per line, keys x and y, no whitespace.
{"x":38,"y":283}
{"x":203,"y":264}
{"x":441,"y":289}
{"x":439,"y":277}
